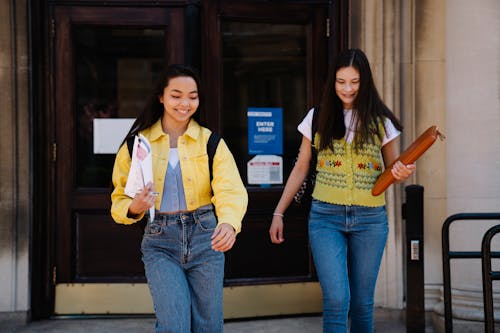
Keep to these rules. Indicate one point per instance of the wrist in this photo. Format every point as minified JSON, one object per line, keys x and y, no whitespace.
{"x":279,"y":214}
{"x":131,"y":215}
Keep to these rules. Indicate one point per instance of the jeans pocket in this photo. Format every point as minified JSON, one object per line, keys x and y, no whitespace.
{"x":206,"y":221}
{"x":152,"y":229}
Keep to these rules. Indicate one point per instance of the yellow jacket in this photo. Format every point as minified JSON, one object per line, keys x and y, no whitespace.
{"x":230,"y":197}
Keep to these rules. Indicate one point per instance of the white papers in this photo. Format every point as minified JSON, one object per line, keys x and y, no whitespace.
{"x":265,"y":169}
{"x":141,"y":169}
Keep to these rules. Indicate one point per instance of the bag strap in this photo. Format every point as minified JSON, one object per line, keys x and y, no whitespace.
{"x":130,"y":144}
{"x":212,"y":144}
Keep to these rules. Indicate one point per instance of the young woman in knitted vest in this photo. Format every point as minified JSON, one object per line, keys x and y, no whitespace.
{"x":357,"y":136}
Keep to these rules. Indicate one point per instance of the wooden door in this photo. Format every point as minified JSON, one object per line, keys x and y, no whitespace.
{"x":106,"y":60}
{"x":265,"y":56}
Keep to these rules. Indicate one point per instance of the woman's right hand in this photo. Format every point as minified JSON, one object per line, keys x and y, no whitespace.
{"x":276,"y":230}
{"x":143,"y":200}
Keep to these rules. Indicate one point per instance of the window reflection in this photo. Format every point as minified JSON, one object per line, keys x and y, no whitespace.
{"x":115,"y":70}
{"x":264,"y":65}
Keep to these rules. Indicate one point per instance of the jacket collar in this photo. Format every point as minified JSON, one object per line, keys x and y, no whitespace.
{"x":193,"y":130}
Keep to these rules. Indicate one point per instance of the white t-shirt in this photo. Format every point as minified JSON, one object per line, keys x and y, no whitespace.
{"x":305,"y":127}
{"x":173,"y":157}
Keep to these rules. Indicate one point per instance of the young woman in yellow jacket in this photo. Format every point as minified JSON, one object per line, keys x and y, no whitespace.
{"x":196,"y":217}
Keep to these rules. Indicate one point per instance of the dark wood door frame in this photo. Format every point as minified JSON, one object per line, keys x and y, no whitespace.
{"x":65,"y":197}
{"x":49,"y":42}
{"x":319,"y":18}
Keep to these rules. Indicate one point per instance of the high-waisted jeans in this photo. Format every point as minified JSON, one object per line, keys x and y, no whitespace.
{"x":184,"y":274}
{"x":347,"y":244}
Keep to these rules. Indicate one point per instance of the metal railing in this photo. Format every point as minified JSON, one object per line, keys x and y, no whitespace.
{"x":488,"y":277}
{"x":448,"y":255}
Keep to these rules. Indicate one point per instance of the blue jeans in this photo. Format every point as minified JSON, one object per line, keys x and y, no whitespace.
{"x":185,"y":276}
{"x":347,"y":244}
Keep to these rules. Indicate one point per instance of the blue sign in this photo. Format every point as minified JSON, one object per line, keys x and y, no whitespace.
{"x":265,"y":131}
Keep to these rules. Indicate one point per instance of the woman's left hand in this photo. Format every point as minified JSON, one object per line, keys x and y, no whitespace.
{"x":401,"y":171}
{"x":223,"y":237}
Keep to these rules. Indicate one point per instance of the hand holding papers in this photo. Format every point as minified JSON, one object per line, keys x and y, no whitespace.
{"x":141,"y":169}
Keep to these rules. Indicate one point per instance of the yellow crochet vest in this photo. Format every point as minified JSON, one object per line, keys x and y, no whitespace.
{"x":346,"y":176}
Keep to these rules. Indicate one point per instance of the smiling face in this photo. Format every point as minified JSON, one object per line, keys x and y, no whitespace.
{"x":180,"y":99}
{"x":347,"y":82}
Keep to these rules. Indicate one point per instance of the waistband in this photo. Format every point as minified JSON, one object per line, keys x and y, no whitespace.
{"x":183,"y":214}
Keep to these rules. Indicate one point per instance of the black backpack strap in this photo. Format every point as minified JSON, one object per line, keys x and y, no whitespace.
{"x":212,"y":144}
{"x":130,"y":144}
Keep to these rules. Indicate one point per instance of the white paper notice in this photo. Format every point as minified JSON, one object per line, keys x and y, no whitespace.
{"x":265,"y":169}
{"x":141,"y":169}
{"x":109,"y":132}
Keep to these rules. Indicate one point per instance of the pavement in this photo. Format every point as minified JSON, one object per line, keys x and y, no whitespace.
{"x":385,"y":322}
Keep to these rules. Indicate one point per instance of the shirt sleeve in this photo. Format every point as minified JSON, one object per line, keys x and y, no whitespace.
{"x":120,"y":202}
{"x":305,"y":127}
{"x":391,"y":132}
{"x":230,"y":195}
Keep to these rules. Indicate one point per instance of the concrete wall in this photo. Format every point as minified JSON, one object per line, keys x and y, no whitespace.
{"x":438,"y":63}
{"x":430,"y":109}
{"x":473,"y":143}
{"x":374,"y":27}
{"x":15,"y":162}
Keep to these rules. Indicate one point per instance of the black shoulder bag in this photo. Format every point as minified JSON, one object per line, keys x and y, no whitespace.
{"x":304,"y":196}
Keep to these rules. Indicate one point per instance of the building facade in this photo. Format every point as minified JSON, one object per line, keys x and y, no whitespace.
{"x":66,"y":65}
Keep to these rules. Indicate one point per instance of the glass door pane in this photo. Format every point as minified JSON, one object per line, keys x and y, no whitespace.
{"x":115,"y":71}
{"x":264,"y":65}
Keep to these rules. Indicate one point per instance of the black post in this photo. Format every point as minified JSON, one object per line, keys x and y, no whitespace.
{"x":413,"y":213}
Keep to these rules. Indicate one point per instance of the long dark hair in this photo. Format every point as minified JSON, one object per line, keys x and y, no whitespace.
{"x":370,"y":109}
{"x":153,"y":109}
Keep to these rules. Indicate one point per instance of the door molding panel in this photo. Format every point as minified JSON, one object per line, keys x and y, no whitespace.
{"x":309,"y":21}
{"x":68,"y":197}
